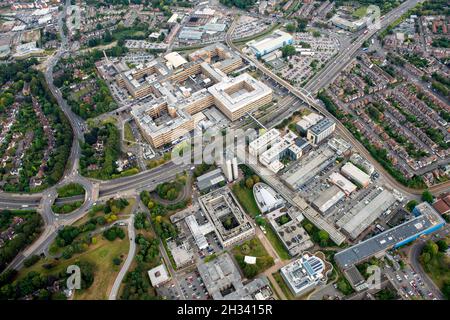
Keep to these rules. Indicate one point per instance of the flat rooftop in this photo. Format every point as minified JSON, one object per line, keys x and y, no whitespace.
{"x":427,"y":220}
{"x":235,"y":93}
{"x":363,"y":214}
{"x":223,"y":280}
{"x":225,"y":213}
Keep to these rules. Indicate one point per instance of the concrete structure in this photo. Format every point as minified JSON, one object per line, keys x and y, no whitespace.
{"x":209,"y":180}
{"x":199,"y":232}
{"x":228,"y":170}
{"x":261,"y":144}
{"x":171,"y":110}
{"x":355,"y":174}
{"x":276,"y":40}
{"x":237,"y":96}
{"x":174,"y":60}
{"x":427,"y":221}
{"x":158,"y":275}
{"x":328,"y":198}
{"x":304,"y":274}
{"x":223,"y":281}
{"x":366,"y":211}
{"x":308,"y":121}
{"x":266,"y":198}
{"x":343,"y":183}
{"x":226,"y":215}
{"x":355,"y":279}
{"x":235,"y":168}
{"x":27,"y":50}
{"x":320,"y":131}
{"x":277,"y":149}
{"x":182,"y":253}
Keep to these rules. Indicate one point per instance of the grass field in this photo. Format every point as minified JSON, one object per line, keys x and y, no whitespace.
{"x":439,"y":268}
{"x":252,"y":248}
{"x":128,"y":133}
{"x":276,"y":243}
{"x":360,"y":12}
{"x":246,"y":199}
{"x":106,"y":271}
{"x":101,"y":254}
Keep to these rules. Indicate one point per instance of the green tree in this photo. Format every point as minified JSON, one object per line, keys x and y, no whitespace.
{"x":249,"y":183}
{"x":290,"y":28}
{"x":427,"y":196}
{"x":287,"y":51}
{"x":442,"y":245}
{"x":411,"y":205}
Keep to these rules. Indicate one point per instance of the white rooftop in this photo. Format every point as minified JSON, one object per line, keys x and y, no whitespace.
{"x":251,"y":90}
{"x":158,"y":275}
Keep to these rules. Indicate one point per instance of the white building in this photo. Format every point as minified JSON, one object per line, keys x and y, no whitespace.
{"x":304,"y":274}
{"x":266,"y":198}
{"x":228,"y":170}
{"x":237,"y":96}
{"x":235,"y":168}
{"x":174,"y":60}
{"x":158,"y":275}
{"x":261,"y":144}
{"x":308,"y":121}
{"x":339,"y":180}
{"x":276,"y":40}
{"x":280,"y":147}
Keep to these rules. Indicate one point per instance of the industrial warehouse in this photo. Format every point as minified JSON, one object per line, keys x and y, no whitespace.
{"x":276,"y":40}
{"x":426,"y":221}
{"x":171,"y":93}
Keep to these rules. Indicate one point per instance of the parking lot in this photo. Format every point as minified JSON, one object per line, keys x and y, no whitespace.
{"x":192,"y":286}
{"x":409,"y":283}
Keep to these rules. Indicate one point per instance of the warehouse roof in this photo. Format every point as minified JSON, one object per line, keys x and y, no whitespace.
{"x":389,"y":238}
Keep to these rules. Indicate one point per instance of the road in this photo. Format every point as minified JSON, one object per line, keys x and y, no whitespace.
{"x":326,"y":76}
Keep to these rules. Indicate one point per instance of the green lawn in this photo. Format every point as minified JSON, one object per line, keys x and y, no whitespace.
{"x":276,"y":243}
{"x":106,"y":271}
{"x":252,"y":248}
{"x":101,"y":254}
{"x":282,"y":285}
{"x":246,"y":199}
